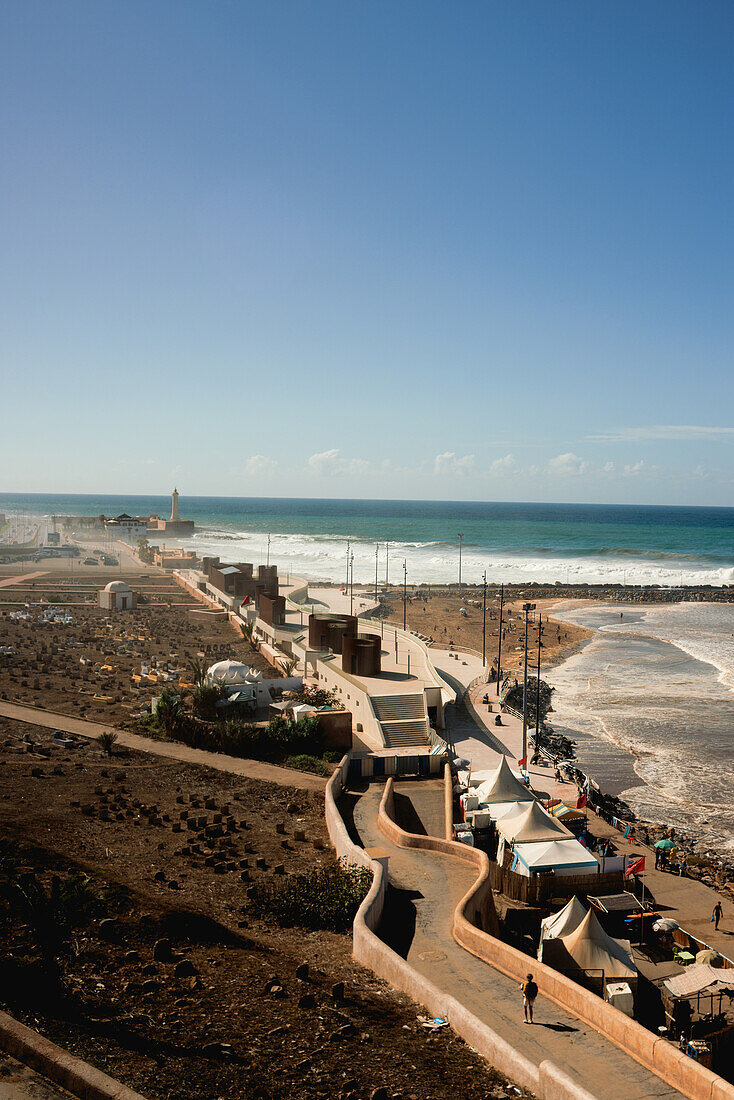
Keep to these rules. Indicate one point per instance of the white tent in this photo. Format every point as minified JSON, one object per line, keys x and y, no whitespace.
{"x":232,"y":673}
{"x":532,"y":825}
{"x":564,"y":857}
{"x":499,"y":810}
{"x":592,"y":949}
{"x":503,"y":786}
{"x":563,"y":922}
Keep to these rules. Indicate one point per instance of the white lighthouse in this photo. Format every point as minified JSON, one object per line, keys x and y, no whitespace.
{"x":174,"y":506}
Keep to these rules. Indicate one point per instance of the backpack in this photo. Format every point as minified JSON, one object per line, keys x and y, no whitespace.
{"x":530,"y":990}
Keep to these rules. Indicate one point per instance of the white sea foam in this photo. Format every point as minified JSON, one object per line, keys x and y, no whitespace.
{"x":323,"y":557}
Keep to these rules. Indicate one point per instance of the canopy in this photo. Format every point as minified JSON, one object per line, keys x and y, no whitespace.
{"x":498,"y":810}
{"x":666,"y":843}
{"x":592,"y":949}
{"x":230,"y":673}
{"x":532,"y":825}
{"x":568,"y":813}
{"x":696,"y":978}
{"x":558,"y":855}
{"x":563,"y":922}
{"x":503,"y":786}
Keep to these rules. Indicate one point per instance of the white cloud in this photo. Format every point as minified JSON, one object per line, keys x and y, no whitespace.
{"x":259,"y":465}
{"x":503,"y":467}
{"x":608,"y":467}
{"x":567,"y":465}
{"x":663,"y":431}
{"x":332,"y":463}
{"x":448,"y":463}
{"x":634,"y":469}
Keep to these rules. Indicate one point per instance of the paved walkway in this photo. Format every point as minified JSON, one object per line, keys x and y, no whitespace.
{"x":426,"y":890}
{"x":21,"y":578}
{"x":172,"y":750}
{"x":18,"y":1082}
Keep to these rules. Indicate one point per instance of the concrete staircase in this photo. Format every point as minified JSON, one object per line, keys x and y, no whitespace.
{"x":403,"y":719}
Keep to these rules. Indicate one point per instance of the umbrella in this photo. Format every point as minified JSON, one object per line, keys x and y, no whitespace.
{"x":666,"y":924}
{"x":667,"y":843}
{"x":708,"y":955}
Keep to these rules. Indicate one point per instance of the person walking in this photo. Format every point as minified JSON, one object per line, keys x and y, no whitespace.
{"x":717,"y":915}
{"x":683,"y":866}
{"x":529,"y":993}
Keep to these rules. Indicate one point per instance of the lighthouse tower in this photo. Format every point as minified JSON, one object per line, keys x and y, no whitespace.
{"x":174,"y":506}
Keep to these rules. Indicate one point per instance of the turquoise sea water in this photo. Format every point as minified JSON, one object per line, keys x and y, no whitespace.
{"x":543,"y":542}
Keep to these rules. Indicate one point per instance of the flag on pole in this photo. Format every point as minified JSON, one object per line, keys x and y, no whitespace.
{"x":246,"y":600}
{"x":523,"y":762}
{"x":581,"y":801}
{"x":637,"y":867}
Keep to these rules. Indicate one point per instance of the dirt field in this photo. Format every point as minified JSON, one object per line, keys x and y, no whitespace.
{"x":438,"y":615}
{"x":194,"y":1017}
{"x":85,"y":668}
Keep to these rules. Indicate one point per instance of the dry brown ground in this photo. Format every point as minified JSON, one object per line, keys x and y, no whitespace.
{"x":47,"y":669}
{"x":438,"y":615}
{"x":216,"y":1032}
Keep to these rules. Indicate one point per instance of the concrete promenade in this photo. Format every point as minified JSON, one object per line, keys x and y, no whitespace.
{"x":170,"y":750}
{"x":425,"y":888}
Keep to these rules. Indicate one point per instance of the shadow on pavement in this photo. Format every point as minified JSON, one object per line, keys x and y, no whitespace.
{"x":397,"y":926}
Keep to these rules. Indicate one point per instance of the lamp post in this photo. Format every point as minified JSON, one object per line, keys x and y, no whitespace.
{"x":484,"y":619}
{"x":267,"y":560}
{"x":387,"y":564}
{"x":461,"y":540}
{"x":537,"y":684}
{"x":405,"y":595}
{"x":527,"y":607}
{"x":377,"y":551}
{"x":346,"y":583}
{"x":351,"y":587}
{"x":499,"y":639}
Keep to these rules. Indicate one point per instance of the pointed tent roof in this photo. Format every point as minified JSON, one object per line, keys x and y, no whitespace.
{"x":532,"y":825}
{"x":557,"y":854}
{"x":592,"y":949}
{"x":504,"y":786}
{"x":565,"y":921}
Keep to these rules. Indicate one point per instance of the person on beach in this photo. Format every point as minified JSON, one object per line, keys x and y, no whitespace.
{"x":683,"y":865}
{"x":529,"y":993}
{"x":717,"y":915}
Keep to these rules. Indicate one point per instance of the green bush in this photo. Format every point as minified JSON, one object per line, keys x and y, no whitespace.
{"x":306,"y":763}
{"x":325,"y":898}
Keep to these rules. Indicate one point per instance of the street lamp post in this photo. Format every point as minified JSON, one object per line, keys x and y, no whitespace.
{"x":499,"y":639}
{"x":461,"y":540}
{"x":527,"y":607}
{"x":267,"y":560}
{"x":405,"y":595}
{"x":484,"y":619}
{"x":387,"y":564}
{"x":377,"y":551}
{"x":537,"y":684}
{"x":346,"y":583}
{"x":351,"y":587}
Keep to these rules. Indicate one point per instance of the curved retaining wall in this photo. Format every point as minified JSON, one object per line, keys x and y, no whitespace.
{"x":655,"y":1054}
{"x":547,"y":1081}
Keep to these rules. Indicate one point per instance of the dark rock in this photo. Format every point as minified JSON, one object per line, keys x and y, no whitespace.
{"x":163,"y":950}
{"x":307,"y":1001}
{"x":109,"y":929}
{"x":302,"y":972}
{"x":337,"y":991}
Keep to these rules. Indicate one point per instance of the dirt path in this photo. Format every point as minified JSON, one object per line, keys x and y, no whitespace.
{"x":430,"y":886}
{"x":252,"y":769}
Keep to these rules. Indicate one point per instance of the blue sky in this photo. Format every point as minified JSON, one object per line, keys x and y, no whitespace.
{"x":413,"y":249}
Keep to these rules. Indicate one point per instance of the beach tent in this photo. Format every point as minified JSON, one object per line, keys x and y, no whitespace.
{"x":498,"y":810}
{"x":592,"y":949}
{"x":503,"y":786}
{"x":531,"y":826}
{"x":563,"y":922}
{"x":563,"y":857}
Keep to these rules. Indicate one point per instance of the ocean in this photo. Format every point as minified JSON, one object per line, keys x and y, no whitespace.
{"x":573,"y":543}
{"x":650,"y":701}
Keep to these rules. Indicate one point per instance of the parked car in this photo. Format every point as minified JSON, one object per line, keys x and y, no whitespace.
{"x":90,"y":561}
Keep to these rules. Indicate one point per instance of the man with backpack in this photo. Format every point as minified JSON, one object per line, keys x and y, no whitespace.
{"x":529,"y":993}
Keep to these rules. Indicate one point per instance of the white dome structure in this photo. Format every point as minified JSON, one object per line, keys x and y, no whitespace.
{"x":117,"y":596}
{"x":232,"y":673}
{"x":117,"y":586}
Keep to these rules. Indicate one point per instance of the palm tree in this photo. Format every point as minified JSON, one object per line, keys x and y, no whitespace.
{"x":205,"y":698}
{"x":107,"y":741}
{"x":198,"y":671}
{"x":169,"y":712}
{"x":288,"y":667}
{"x":52,"y":914}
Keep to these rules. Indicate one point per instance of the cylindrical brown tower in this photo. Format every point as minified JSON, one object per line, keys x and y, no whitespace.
{"x":362,"y":654}
{"x":326,"y":631}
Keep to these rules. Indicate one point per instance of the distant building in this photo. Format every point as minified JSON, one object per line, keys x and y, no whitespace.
{"x":174,"y":557}
{"x":128,"y":528}
{"x":182,"y":528}
{"x":117,"y":596}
